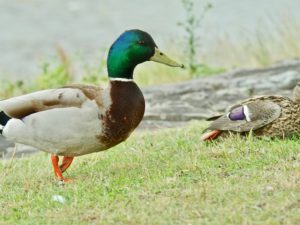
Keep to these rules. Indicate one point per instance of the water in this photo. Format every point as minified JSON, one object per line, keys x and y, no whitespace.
{"x":31,"y":28}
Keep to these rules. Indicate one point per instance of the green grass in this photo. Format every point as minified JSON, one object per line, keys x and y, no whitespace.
{"x":163,"y":177}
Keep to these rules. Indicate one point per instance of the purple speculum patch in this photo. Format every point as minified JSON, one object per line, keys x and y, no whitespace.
{"x":237,"y":114}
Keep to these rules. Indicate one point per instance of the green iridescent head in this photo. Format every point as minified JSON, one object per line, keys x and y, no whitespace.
{"x":130,"y":49}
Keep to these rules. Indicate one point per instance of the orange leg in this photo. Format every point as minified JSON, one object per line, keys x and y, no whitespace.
{"x":67,"y":161}
{"x":57,"y":170}
{"x":211,"y":135}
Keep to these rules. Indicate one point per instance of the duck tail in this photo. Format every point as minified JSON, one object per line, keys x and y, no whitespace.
{"x":211,"y":135}
{"x":3,"y":120}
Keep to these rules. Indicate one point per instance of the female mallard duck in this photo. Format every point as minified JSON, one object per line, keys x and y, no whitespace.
{"x":81,"y":119}
{"x":272,"y":116}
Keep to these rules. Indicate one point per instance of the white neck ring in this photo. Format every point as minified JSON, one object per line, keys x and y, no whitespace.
{"x":121,"y":79}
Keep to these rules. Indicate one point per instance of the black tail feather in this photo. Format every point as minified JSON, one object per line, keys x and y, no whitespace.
{"x":3,"y":120}
{"x":212,"y":118}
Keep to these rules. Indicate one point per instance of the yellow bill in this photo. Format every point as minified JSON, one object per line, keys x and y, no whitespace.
{"x":164,"y":59}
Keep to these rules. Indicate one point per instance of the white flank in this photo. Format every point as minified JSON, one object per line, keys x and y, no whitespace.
{"x":247,"y":113}
{"x":69,"y":130}
{"x":121,"y":79}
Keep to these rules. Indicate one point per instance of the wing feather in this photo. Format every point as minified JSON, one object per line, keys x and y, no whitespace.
{"x":261,"y":113}
{"x":71,"y":96}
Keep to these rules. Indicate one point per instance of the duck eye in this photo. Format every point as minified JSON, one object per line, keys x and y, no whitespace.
{"x":141,"y":42}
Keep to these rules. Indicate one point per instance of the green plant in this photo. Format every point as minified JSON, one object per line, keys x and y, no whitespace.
{"x":95,"y":75}
{"x":9,"y":88}
{"x":52,"y":77}
{"x":58,"y":75}
{"x":191,"y":26}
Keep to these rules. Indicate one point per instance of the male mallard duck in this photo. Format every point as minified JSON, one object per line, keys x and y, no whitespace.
{"x":81,"y":119}
{"x":272,"y":116}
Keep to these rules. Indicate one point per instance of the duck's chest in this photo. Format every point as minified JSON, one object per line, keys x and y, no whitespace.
{"x":124,"y":114}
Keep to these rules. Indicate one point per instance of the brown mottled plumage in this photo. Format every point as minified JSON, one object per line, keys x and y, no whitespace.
{"x":272,"y":116}
{"x":288,"y":122}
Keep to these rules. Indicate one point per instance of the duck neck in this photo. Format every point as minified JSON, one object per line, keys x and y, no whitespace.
{"x":119,"y":64}
{"x":120,"y":72}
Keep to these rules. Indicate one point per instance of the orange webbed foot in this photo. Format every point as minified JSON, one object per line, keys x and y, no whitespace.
{"x":58,"y":170}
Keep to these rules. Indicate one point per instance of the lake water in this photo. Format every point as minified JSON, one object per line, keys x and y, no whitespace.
{"x":31,"y":28}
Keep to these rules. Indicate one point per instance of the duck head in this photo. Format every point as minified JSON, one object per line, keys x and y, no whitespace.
{"x":132,"y":48}
{"x":296,"y":93}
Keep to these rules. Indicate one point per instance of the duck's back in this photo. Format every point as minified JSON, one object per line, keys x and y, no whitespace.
{"x":287,"y":124}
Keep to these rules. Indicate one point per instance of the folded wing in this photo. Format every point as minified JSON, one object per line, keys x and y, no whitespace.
{"x":247,"y":116}
{"x":72,"y":96}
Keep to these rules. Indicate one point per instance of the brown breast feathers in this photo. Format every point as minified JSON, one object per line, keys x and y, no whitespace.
{"x":125,"y":114}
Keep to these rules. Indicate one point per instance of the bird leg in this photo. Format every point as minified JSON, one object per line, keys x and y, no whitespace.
{"x":66,"y":162}
{"x":211,"y":135}
{"x":57,"y":170}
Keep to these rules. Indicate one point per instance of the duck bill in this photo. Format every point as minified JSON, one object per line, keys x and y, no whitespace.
{"x":164,"y":59}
